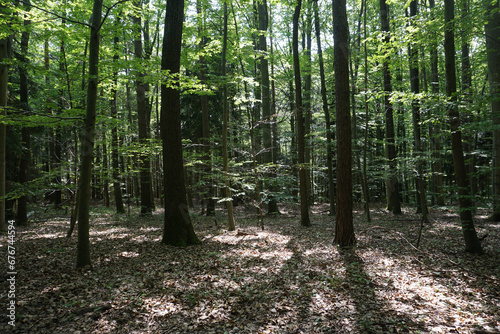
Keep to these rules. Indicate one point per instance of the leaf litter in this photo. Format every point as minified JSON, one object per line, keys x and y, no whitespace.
{"x":283,"y":279}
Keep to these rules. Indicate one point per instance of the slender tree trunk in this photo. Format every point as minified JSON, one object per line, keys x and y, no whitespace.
{"x":392,"y":182}
{"x":472,"y":243}
{"x":208,"y":198}
{"x":329,"y":153}
{"x":437,"y":178}
{"x":5,"y":44}
{"x":229,"y":202}
{"x":22,"y":208}
{"x":344,"y":229}
{"x":87,"y":148}
{"x":415,"y":106}
{"x":365,"y":144}
{"x":304,"y":201}
{"x":178,"y":229}
{"x":147,"y":204}
{"x":115,"y":165}
{"x":267,"y":139}
{"x":492,"y":29}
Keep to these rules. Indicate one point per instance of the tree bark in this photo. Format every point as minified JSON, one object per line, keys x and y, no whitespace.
{"x":5,"y":44}
{"x":472,"y":243}
{"x":178,"y":230}
{"x":22,"y":203}
{"x":392,"y":182}
{"x":324,"y":99}
{"x":492,"y":29}
{"x":229,"y":202}
{"x":304,"y":201}
{"x":87,"y":145}
{"x":344,"y":229}
{"x":147,"y":203}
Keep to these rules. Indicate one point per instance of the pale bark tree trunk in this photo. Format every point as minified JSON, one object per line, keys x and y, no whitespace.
{"x":178,"y":229}
{"x":304,"y":201}
{"x":472,"y":243}
{"x":344,"y":229}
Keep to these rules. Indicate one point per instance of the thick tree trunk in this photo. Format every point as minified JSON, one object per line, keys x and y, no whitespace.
{"x":87,"y":146}
{"x":492,"y":29}
{"x":304,"y":201}
{"x":392,"y":182}
{"x":178,"y":230}
{"x":472,"y":243}
{"x":344,"y":229}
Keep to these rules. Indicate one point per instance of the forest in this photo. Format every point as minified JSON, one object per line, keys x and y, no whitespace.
{"x":237,"y":166}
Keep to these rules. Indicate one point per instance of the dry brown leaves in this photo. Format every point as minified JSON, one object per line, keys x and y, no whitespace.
{"x":285,"y":279}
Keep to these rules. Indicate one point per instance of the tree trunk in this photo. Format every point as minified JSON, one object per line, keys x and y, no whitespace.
{"x":229,"y":202}
{"x":344,"y":229}
{"x":115,"y":165}
{"x":437,"y":178}
{"x":329,"y":153}
{"x":22,"y":203}
{"x":392,"y":182}
{"x":147,"y":203}
{"x":267,"y":139}
{"x":472,"y":243}
{"x":492,"y":29}
{"x":208,"y":198}
{"x":87,"y":148}
{"x":304,"y":201}
{"x":178,"y":230}
{"x":4,"y":80}
{"x":415,"y":107}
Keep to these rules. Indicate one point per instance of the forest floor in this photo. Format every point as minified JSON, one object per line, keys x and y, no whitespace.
{"x":283,"y":279}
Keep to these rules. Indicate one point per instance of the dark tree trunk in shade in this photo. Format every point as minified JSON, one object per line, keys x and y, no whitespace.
{"x":304,"y":201}
{"x":492,"y":29}
{"x":22,"y":204}
{"x":178,"y":230}
{"x":472,"y":243}
{"x":344,"y":229}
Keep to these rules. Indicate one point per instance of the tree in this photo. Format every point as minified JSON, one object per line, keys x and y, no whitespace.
{"x":415,"y":111}
{"x":178,"y":230}
{"x":472,"y":243}
{"x":87,"y":141}
{"x":492,"y":29}
{"x":304,"y":200}
{"x":147,"y":203}
{"x":225,"y":168}
{"x":267,"y":140}
{"x":329,"y":153}
{"x":22,"y":209}
{"x":344,"y":229}
{"x":392,"y":183}
{"x":5,"y":41}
